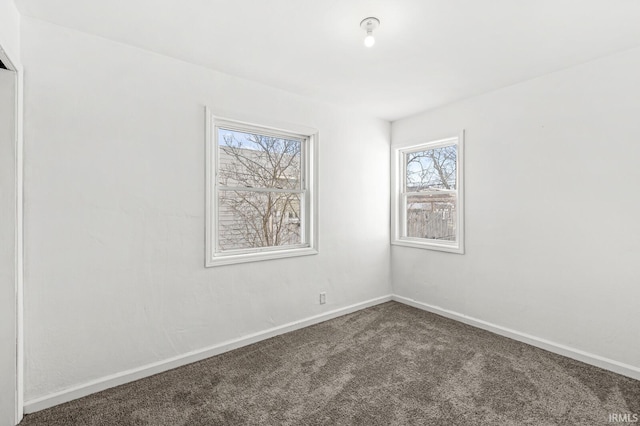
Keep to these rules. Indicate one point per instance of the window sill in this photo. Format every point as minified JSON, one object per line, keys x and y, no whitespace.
{"x":429,"y":245}
{"x":231,"y":259}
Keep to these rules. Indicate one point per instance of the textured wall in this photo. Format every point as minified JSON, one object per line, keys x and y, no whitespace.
{"x":552,"y":209}
{"x":115,"y":211}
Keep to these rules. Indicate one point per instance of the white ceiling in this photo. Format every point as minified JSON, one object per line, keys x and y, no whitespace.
{"x":428,"y":52}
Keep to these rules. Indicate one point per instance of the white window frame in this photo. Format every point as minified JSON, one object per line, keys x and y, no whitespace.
{"x":399,"y":194}
{"x":308,"y":214}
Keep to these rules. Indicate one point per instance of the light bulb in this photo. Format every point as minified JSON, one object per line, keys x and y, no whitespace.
{"x":368,"y":25}
{"x":369,"y":40}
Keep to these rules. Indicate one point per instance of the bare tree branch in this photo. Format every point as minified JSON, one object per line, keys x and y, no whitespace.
{"x":252,"y":218}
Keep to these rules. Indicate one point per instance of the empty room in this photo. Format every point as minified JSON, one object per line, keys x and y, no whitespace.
{"x":325,"y":212}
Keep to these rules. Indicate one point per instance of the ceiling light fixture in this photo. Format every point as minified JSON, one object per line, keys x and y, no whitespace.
{"x":369,"y":24}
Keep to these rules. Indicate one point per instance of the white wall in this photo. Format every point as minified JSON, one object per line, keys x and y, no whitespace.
{"x":10,"y":30}
{"x":114,"y":214}
{"x":11,"y":206}
{"x":552,"y":210}
{"x":8,"y":255}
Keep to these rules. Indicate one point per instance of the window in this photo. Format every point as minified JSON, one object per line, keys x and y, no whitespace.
{"x":260,"y":189}
{"x":428,"y":195}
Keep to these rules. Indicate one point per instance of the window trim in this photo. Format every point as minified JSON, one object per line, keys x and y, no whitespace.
{"x":398,"y":194}
{"x":309,"y":228}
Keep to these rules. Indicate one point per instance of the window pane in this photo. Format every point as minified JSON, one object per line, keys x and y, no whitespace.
{"x":431,"y":169}
{"x":432,"y":216}
{"x":252,"y":160}
{"x":249,"y":219}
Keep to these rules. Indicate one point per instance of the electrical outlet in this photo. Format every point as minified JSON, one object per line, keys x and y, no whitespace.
{"x":323,"y":298}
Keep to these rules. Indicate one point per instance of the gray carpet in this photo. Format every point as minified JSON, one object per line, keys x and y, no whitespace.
{"x":386,"y":365}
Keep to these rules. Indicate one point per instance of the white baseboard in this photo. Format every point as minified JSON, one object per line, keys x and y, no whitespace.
{"x":117,"y":379}
{"x":577,"y":354}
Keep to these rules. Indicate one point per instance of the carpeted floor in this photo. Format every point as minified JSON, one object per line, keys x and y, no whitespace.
{"x":386,"y":365}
